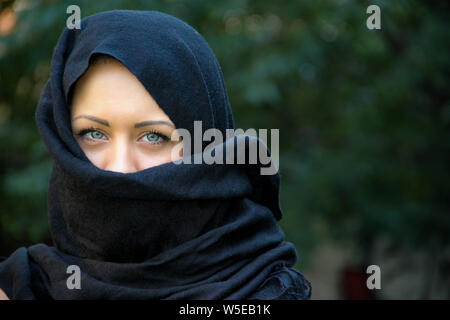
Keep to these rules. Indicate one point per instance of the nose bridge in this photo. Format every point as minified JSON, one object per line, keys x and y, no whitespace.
{"x":120,"y":156}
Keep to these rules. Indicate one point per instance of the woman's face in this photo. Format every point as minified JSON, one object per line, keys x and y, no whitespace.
{"x":117,"y":123}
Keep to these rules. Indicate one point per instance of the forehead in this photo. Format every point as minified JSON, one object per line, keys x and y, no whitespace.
{"x":110,"y":88}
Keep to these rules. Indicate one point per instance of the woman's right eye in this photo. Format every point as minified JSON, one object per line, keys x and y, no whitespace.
{"x":92,"y":134}
{"x":96,"y":135}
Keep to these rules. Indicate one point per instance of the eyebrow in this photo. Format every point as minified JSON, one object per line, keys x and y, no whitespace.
{"x":137,"y":125}
{"x":92,"y":118}
{"x":149,"y":123}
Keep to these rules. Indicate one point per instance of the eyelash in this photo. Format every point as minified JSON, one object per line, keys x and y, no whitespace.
{"x":83,"y":132}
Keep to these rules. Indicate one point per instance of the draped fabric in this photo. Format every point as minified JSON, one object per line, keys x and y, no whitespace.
{"x":173,"y":231}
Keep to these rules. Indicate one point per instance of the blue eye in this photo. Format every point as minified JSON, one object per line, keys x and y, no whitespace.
{"x":152,"y":137}
{"x":155,"y":137}
{"x":92,"y":134}
{"x":95,"y":135}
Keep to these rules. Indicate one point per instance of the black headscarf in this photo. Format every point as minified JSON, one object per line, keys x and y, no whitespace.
{"x":174,"y":231}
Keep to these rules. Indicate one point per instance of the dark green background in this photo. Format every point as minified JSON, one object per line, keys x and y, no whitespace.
{"x":364,"y":115}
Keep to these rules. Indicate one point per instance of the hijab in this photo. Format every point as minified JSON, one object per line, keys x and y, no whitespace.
{"x":173,"y":231}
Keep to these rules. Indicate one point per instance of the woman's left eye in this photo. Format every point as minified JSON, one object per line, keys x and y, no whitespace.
{"x":153,"y":137}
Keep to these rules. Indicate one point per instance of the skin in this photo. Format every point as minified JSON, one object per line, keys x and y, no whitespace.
{"x":3,"y":295}
{"x":110,"y":106}
{"x":117,"y":123}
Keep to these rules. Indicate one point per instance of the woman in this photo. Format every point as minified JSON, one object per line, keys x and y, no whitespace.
{"x":125,"y":217}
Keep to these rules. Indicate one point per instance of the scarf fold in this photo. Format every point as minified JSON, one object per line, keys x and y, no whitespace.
{"x":174,"y":231}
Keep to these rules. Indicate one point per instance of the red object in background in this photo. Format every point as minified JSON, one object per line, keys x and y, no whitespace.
{"x":354,"y":285}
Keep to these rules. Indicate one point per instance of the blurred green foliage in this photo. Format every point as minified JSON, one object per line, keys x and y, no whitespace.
{"x":364,"y":115}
